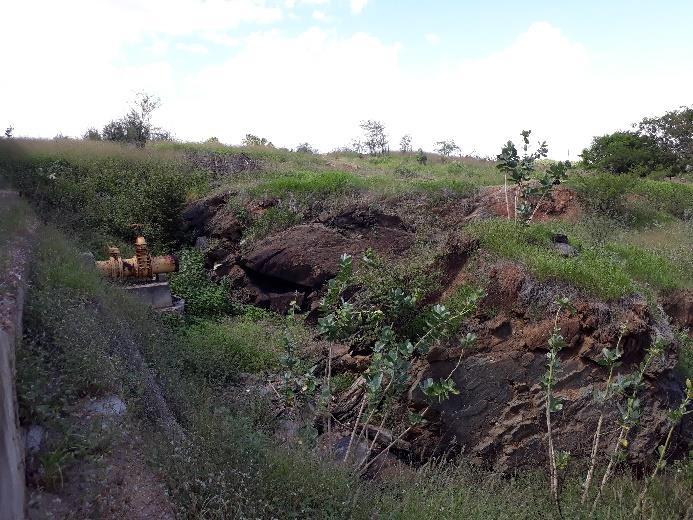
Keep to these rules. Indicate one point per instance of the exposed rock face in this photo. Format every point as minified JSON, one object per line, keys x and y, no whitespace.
{"x":308,"y":255}
{"x":679,"y":305}
{"x":498,"y":416}
{"x":295,"y":263}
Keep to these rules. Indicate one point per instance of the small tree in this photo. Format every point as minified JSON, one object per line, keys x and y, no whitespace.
{"x":254,"y":140}
{"x":446,"y":148}
{"x":136,"y":126}
{"x":8,"y":132}
{"x":306,"y":148}
{"x":673,"y":133}
{"x":374,"y":138}
{"x":405,"y":144}
{"x":92,"y":134}
{"x":421,"y":157}
{"x":529,"y":190}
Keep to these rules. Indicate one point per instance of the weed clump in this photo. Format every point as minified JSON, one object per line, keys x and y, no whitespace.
{"x":203,"y":298}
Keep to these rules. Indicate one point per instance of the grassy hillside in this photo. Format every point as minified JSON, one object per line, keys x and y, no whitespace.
{"x":631,"y":236}
{"x":631,"y":228}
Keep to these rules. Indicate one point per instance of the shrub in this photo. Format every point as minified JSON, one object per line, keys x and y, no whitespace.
{"x":306,"y":148}
{"x":203,"y":298}
{"x":136,"y":127}
{"x":635,"y":201}
{"x":253,"y":140}
{"x":104,"y":187}
{"x":625,"y":152}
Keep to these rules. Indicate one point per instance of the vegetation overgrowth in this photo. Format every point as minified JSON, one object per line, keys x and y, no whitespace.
{"x":634,"y":236}
{"x":232,"y":467}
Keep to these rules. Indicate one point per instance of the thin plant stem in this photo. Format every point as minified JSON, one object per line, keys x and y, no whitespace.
{"x":507,"y":202}
{"x":395,"y":441}
{"x":356,"y":425}
{"x":553,"y":471}
{"x":641,"y":498}
{"x":541,"y":199}
{"x":621,"y":436}
{"x":597,"y":433}
{"x":375,"y":438}
{"x":609,"y":469}
{"x":329,"y":401}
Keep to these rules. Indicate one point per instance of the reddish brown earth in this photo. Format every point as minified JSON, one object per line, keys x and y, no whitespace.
{"x":679,"y":306}
{"x":561,"y":203}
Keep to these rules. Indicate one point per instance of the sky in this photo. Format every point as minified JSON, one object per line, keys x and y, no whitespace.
{"x":310,"y":70}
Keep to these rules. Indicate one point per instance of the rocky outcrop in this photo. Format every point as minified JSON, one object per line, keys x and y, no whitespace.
{"x":679,"y":306}
{"x":294,"y":264}
{"x":308,"y":255}
{"x":498,"y":416}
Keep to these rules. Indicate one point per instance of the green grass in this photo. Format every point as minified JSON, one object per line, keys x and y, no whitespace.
{"x":608,"y":271}
{"x":13,"y":219}
{"x":274,"y":219}
{"x":634,"y":201}
{"x":219,"y":351}
{"x":104,"y":187}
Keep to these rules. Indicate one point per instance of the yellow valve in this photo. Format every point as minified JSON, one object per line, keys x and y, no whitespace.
{"x":141,"y":266}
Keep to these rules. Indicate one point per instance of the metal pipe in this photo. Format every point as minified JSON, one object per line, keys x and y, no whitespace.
{"x":141,"y":266}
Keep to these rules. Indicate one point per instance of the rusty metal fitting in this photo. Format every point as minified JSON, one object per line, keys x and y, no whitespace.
{"x":141,"y":266}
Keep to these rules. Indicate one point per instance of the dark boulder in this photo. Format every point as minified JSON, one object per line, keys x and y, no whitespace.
{"x":308,"y":255}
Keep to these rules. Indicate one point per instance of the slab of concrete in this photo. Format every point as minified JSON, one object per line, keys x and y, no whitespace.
{"x":156,"y":294}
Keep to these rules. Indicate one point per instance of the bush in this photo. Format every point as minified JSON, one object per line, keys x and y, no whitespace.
{"x":203,"y":298}
{"x":635,"y":201}
{"x":626,"y":152}
{"x":104,"y":187}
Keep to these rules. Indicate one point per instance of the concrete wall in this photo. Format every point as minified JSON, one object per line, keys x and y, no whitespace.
{"x":12,"y":496}
{"x":14,"y":271}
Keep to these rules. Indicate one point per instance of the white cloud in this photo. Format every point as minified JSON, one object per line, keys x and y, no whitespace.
{"x":192,"y":48}
{"x":432,"y":38}
{"x":321,"y":16}
{"x":290,"y":4}
{"x":358,"y":5}
{"x":69,"y":71}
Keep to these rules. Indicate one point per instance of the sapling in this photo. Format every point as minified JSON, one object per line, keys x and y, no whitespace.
{"x":675,"y":417}
{"x":440,"y":390}
{"x":552,"y":404}
{"x":630,"y":412}
{"x":610,"y":358}
{"x":519,"y":171}
{"x":294,"y":383}
{"x":362,"y":321}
